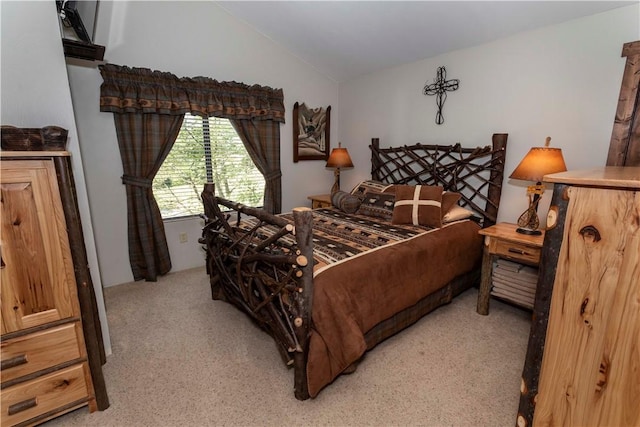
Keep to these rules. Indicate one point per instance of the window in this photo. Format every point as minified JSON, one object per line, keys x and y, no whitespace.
{"x":206,"y":150}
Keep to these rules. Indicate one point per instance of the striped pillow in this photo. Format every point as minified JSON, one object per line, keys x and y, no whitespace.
{"x":418,"y":205}
{"x":377,"y":205}
{"x":371,"y":186}
{"x":344,"y":201}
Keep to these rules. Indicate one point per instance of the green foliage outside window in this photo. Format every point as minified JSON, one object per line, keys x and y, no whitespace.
{"x":206,"y":150}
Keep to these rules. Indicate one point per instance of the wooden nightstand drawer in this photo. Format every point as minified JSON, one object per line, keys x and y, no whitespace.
{"x":516,"y":251}
{"x":40,"y":350}
{"x":320,"y":201}
{"x":316,"y":204}
{"x":36,"y":397}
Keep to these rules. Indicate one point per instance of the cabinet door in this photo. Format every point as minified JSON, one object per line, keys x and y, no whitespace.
{"x":591,"y":363}
{"x":38,"y":282}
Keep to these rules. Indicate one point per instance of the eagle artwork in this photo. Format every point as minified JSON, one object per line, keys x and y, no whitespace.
{"x":311,"y":132}
{"x":311,"y":122}
{"x":439,"y":88}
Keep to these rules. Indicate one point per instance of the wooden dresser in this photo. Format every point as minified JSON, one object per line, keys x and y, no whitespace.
{"x":51,"y":347}
{"x":582,"y":366}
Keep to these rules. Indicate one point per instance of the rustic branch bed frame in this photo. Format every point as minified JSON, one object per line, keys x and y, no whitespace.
{"x":272,"y":279}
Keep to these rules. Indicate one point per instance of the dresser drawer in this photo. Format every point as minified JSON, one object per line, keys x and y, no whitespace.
{"x":26,"y":400}
{"x":516,"y":251}
{"x":40,"y":350}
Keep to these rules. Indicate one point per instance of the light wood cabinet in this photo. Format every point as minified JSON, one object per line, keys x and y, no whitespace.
{"x":583,"y":360}
{"x":51,"y":347}
{"x":37,"y":276}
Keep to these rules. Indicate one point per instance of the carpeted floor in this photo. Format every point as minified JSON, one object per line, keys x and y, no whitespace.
{"x":181,"y":359}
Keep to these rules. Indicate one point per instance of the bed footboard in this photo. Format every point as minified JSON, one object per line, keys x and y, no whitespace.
{"x":266,"y":270}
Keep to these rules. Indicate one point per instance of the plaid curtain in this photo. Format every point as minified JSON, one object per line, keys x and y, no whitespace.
{"x":148,"y":108}
{"x":261,"y":138}
{"x":145,"y":141}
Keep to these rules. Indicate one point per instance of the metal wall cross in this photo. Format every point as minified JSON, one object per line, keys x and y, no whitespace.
{"x":440,"y":87}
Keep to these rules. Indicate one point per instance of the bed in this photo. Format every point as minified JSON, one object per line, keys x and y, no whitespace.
{"x":330,"y":284}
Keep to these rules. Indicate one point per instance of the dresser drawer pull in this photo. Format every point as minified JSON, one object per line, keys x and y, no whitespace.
{"x":22,"y":406}
{"x":13,"y":362}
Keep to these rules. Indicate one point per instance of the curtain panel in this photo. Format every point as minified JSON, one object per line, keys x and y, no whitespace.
{"x":262,"y":141}
{"x":145,"y":141}
{"x":148,"y":108}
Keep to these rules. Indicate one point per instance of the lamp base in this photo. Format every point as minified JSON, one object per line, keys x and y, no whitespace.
{"x":528,"y":223}
{"x":528,"y":231}
{"x":336,"y":185}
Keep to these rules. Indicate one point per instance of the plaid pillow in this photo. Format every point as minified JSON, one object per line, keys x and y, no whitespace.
{"x":418,"y":205}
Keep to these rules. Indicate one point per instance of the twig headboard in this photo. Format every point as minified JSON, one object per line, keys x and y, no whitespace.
{"x":476,"y":173}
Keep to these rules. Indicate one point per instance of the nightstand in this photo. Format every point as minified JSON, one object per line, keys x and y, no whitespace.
{"x":502,"y":241}
{"x":320,"y":201}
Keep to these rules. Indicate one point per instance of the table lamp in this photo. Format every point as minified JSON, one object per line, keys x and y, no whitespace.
{"x":538,"y":162}
{"x":338,"y":159}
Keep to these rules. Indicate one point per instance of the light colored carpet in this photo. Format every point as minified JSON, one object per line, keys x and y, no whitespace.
{"x":180,"y":358}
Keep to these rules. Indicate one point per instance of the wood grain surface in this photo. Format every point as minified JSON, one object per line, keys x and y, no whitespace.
{"x":591,"y":364}
{"x":38,"y":282}
{"x":40,"y":350}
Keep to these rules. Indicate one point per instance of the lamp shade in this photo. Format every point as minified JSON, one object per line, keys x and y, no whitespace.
{"x":339,"y":158}
{"x":539,"y":162}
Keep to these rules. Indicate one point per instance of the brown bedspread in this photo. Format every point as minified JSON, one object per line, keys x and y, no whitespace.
{"x":352,"y":297}
{"x":365,"y":271}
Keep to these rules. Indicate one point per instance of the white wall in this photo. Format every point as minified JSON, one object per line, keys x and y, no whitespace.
{"x":35,"y":93}
{"x":187,"y":39}
{"x":561,"y":81}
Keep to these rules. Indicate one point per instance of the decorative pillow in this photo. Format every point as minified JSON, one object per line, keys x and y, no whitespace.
{"x":418,"y":205}
{"x":378,"y":205}
{"x":449,"y":199}
{"x":346,"y":202}
{"x":456,"y":213}
{"x":371,"y":186}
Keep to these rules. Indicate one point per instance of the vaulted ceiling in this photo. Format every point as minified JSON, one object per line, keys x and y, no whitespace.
{"x":346,"y":39}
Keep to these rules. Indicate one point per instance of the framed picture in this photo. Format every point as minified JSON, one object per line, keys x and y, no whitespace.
{"x":311,"y":132}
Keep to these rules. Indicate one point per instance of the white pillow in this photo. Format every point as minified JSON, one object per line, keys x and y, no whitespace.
{"x":457,"y":213}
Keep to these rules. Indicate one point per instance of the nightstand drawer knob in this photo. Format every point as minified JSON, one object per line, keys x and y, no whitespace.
{"x":517,"y":251}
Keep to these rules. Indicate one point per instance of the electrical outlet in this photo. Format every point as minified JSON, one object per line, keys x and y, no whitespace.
{"x":183,"y":238}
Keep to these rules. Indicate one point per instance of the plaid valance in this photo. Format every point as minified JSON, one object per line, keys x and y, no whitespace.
{"x":141,"y":90}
